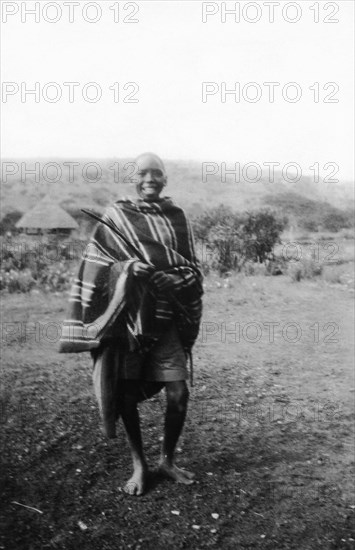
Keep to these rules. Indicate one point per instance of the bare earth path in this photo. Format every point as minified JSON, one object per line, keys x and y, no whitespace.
{"x":269,"y":431}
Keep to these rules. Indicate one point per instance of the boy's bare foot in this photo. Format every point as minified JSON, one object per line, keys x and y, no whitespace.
{"x":175,"y":473}
{"x":136,"y":484}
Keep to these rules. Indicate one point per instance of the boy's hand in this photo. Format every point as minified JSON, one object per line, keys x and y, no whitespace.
{"x":142,"y":270}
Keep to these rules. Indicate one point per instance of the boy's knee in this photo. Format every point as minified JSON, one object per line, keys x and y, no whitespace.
{"x":177,"y":394}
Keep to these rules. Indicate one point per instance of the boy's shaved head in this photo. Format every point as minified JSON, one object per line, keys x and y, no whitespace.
{"x":150,"y":161}
{"x":150,"y":176}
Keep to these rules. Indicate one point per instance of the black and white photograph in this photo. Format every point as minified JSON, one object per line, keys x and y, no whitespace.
{"x":177,"y":275}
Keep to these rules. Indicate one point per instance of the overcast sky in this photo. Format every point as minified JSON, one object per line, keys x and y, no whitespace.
{"x":169,"y":53}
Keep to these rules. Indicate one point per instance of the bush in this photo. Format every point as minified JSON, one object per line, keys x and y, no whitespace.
{"x":305,"y":269}
{"x":8,"y":223}
{"x":310,"y":225}
{"x":254,"y":268}
{"x":230,"y":239}
{"x":262,"y":232}
{"x":26,"y":265}
{"x":57,"y":277}
{"x":335,"y":221}
{"x":54,"y":278}
{"x":16,"y":281}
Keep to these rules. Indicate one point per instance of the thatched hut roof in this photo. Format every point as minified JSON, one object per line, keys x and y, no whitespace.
{"x":47,"y":215}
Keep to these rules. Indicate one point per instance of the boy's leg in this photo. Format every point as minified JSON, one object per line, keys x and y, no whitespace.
{"x":129,"y":412}
{"x":177,"y":397}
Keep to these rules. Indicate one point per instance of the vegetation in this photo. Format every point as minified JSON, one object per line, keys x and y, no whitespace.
{"x":8,"y":222}
{"x":47,"y":265}
{"x":309,"y":214}
{"x":234,"y":239}
{"x":229,"y":239}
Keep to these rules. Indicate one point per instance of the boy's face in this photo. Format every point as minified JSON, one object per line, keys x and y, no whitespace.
{"x":151,"y":177}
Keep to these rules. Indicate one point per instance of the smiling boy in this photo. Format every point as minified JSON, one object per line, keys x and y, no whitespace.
{"x":147,"y":346}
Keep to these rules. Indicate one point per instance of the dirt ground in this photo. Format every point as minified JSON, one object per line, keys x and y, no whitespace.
{"x":269,"y":432}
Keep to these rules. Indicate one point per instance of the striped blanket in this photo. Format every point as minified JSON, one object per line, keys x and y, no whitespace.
{"x":108,"y":302}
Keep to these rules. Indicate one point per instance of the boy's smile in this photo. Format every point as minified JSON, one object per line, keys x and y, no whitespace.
{"x":151,"y":177}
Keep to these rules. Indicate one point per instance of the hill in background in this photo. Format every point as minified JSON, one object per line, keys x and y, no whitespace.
{"x":304,"y":202}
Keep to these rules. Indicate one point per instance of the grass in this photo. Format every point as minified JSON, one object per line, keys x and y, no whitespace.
{"x":269,"y":430}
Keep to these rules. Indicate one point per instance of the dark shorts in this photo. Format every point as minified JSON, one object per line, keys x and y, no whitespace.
{"x":165,"y":362}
